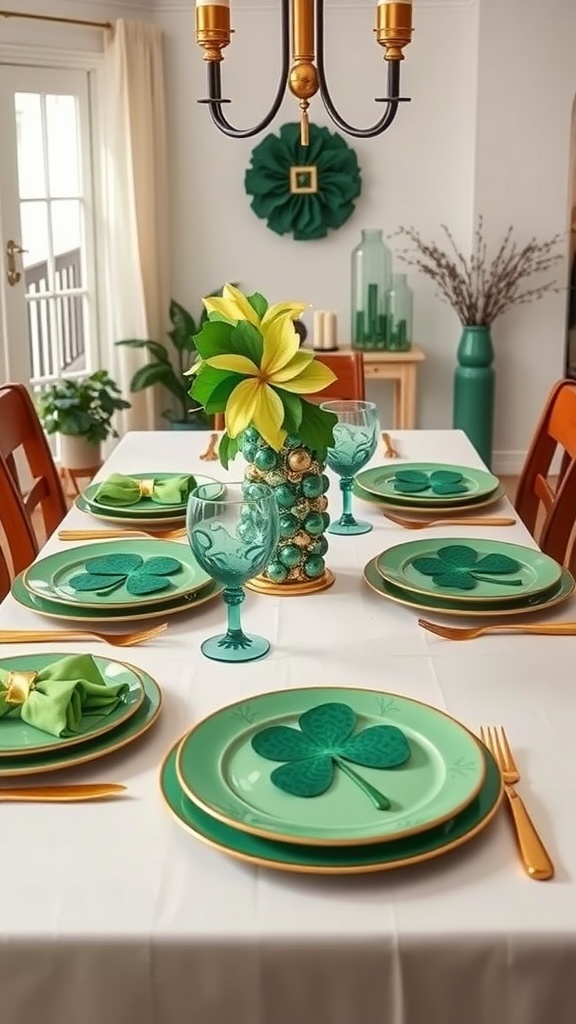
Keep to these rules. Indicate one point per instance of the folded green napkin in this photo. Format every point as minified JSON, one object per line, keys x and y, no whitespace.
{"x":56,"y":698}
{"x":125,"y":490}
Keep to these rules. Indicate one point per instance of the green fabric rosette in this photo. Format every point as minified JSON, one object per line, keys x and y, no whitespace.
{"x":56,"y":698}
{"x":307,"y":214}
{"x":125,"y":490}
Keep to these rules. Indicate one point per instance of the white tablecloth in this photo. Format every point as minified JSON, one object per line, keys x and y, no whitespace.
{"x":110,"y":913}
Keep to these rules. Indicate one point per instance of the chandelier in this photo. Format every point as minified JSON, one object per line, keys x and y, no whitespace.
{"x":302,"y":31}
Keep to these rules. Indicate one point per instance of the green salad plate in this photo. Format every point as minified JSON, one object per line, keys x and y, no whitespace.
{"x":17,"y":738}
{"x":145,"y":512}
{"x":469,"y":571}
{"x":221,"y":771}
{"x":433,"y":603}
{"x":96,"y":747}
{"x":334,"y":860}
{"x":112,"y":577}
{"x":56,"y":610}
{"x":427,"y":483}
{"x":452,"y":508}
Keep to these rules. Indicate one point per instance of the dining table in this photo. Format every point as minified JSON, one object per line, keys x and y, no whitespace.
{"x":112,"y":913}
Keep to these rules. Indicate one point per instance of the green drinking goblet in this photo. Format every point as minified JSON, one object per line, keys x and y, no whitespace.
{"x":355,"y":439}
{"x":233,"y":536}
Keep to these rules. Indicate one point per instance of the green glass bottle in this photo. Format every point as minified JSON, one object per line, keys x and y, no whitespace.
{"x":371,"y":280}
{"x":399,"y":314}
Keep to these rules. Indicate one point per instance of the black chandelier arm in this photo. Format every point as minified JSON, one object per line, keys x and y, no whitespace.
{"x":215,"y":99}
{"x":392,"y":100}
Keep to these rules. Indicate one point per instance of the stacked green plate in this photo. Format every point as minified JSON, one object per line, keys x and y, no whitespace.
{"x":389,"y":486}
{"x":25,"y":750}
{"x":441,"y":790}
{"x":144,"y":512}
{"x":45,"y":587}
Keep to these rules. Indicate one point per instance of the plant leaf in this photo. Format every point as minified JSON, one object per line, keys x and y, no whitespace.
{"x":221,"y":393}
{"x":292,"y":411}
{"x":248,"y":341}
{"x":154,"y":347}
{"x":310,"y":777}
{"x":328,"y":725}
{"x":184,"y":327}
{"x":215,"y":339}
{"x":258,"y":303}
{"x":282,"y":743}
{"x":379,"y":746}
{"x":227,"y":449}
{"x":316,"y":426}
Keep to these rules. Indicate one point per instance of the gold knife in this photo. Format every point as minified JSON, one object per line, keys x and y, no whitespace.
{"x":60,"y":794}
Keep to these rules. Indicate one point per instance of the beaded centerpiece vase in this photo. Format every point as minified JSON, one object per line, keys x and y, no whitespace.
{"x":299,"y":482}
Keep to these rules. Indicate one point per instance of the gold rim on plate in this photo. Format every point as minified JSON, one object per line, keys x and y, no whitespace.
{"x":429,"y":512}
{"x":469,"y":613}
{"x":94,"y":756}
{"x":307,"y":869}
{"x":176,"y":520}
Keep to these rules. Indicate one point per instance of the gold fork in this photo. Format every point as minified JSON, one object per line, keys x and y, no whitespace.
{"x":470,"y":633}
{"x":61,"y":794}
{"x":389,"y":449}
{"x":421,"y":524}
{"x":174,"y":534}
{"x":211,"y":453}
{"x":533,"y":853}
{"x":17,"y":636}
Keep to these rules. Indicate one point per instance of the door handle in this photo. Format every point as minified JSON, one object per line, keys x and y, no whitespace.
{"x":12,"y":250}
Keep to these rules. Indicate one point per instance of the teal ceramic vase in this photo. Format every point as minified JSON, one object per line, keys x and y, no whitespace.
{"x":474,"y":383}
{"x":299,"y":482}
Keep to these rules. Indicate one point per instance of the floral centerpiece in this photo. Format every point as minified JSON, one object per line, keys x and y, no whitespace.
{"x":252,"y":369}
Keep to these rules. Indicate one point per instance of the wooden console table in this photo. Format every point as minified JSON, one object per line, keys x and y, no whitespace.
{"x":402,"y":369}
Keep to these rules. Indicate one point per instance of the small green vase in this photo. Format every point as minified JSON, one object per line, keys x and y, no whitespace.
{"x":474,"y":383}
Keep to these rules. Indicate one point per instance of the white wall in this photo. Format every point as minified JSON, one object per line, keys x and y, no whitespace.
{"x":488,"y":130}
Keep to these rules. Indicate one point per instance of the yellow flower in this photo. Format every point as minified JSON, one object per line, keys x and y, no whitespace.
{"x":234,"y":306}
{"x":282,"y":366}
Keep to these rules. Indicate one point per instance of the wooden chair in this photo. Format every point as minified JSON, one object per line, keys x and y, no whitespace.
{"x":538,"y":497}
{"x":4,"y":577}
{"x":22,"y":440}
{"x":349,"y":386}
{"x":19,"y":539}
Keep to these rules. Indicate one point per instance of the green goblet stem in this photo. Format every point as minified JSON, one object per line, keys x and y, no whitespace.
{"x":235,"y":636}
{"x":346,"y":519}
{"x":381,"y":802}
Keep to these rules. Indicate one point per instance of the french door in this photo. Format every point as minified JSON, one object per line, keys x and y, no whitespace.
{"x":48,"y":308}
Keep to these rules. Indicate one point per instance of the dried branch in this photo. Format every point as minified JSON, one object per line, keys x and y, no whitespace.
{"x":477,"y":289}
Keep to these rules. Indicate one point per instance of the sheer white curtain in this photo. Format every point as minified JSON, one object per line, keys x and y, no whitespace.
{"x":136,"y":204}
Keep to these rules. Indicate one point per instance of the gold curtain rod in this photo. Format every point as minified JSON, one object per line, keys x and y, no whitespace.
{"x":48,"y":17}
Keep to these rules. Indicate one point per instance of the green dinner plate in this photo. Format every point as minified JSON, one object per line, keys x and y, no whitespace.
{"x":59,"y":611}
{"x":18,"y":738}
{"x":539,"y":602}
{"x":453,"y":509}
{"x":49,"y":577}
{"x":380,"y":481}
{"x":221,"y":772}
{"x":333,"y":860}
{"x":145,"y":508}
{"x":538,"y":573}
{"x":125,"y":519}
{"x":51,"y":761}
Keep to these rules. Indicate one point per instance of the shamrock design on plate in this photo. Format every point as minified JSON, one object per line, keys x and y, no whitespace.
{"x":141,"y":576}
{"x":324,"y":741}
{"x":440,"y":481}
{"x":460,"y":566}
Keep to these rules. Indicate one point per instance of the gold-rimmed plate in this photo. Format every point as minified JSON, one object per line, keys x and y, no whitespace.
{"x":438,"y":510}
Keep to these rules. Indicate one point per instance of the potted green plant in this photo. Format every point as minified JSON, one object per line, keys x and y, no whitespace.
{"x":81,"y":411}
{"x":170,"y":372}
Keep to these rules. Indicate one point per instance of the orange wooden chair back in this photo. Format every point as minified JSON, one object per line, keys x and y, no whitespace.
{"x":21,"y":431}
{"x":18,"y":537}
{"x":4,"y":577}
{"x":349,"y":385}
{"x":537,"y":496}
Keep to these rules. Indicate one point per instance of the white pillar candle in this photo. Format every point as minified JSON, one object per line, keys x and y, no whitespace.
{"x":212,"y":3}
{"x":318,"y":340}
{"x":330,"y":336}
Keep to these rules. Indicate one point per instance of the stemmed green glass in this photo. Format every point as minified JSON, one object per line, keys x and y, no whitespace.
{"x":355,"y":440}
{"x":233,"y":535}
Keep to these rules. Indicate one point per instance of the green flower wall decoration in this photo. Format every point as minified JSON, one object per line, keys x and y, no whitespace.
{"x":303,"y":189}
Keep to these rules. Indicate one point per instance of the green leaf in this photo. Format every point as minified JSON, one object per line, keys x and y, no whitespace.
{"x":328,"y":725}
{"x":221,"y":393}
{"x":281,"y":743}
{"x":292,"y":410}
{"x":458,"y":579}
{"x":311,"y":777}
{"x":157,"y":373}
{"x":184,"y":327}
{"x":154,"y":347}
{"x":259,"y":303}
{"x":215,"y":339}
{"x":381,"y":746}
{"x":317,"y":426}
{"x":227,"y":449}
{"x":248,"y":341}
{"x":206,"y":382}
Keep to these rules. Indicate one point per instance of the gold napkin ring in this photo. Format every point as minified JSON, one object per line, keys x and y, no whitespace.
{"x":146,"y":488}
{"x":18,"y":686}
